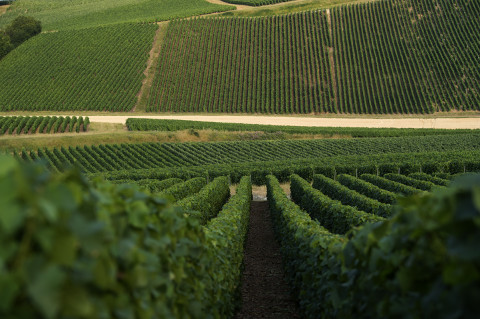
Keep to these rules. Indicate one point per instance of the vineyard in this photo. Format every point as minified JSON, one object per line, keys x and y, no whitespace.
{"x":97,"y":69}
{"x":62,"y":15}
{"x":323,"y":263}
{"x":134,"y":124}
{"x":191,"y":219}
{"x":118,"y":157}
{"x":42,"y":124}
{"x":381,"y":57}
{"x":196,"y":229}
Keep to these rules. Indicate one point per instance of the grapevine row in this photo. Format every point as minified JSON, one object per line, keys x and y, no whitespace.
{"x":379,"y":57}
{"x":111,"y":157}
{"x":99,"y":69}
{"x":138,"y":124}
{"x":42,"y":124}
{"x":332,"y":275}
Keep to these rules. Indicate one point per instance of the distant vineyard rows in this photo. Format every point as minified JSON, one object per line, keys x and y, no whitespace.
{"x":92,"y":69}
{"x":136,"y":124}
{"x":118,"y":157}
{"x":413,"y":56}
{"x":42,"y":124}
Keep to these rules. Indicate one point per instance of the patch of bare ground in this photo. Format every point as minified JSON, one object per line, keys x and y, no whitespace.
{"x":4,"y":9}
{"x":237,"y":6}
{"x":151,"y":66}
{"x":264,"y":291}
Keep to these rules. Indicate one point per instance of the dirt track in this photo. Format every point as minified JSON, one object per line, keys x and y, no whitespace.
{"x":446,"y":123}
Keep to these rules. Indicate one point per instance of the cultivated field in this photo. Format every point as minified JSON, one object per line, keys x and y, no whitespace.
{"x":259,"y":159}
{"x":61,"y":15}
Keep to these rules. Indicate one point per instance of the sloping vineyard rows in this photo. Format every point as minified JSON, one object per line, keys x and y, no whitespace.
{"x":112,"y":157}
{"x":332,"y":214}
{"x":42,"y":124}
{"x":97,"y":69}
{"x":442,"y":164}
{"x":321,"y":265}
{"x":347,"y":196}
{"x":412,"y":56}
{"x":270,"y":65}
{"x":139,"y":124}
{"x":83,"y":251}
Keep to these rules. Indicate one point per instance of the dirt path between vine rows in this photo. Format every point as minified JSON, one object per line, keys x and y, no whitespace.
{"x":444,"y":123}
{"x":264,"y":291}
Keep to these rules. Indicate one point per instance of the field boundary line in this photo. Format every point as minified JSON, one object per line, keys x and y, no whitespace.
{"x":152,"y":63}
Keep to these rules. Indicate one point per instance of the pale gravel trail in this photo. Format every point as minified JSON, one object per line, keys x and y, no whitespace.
{"x":439,"y":123}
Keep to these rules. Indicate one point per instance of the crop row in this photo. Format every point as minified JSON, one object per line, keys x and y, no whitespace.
{"x":113,"y":157}
{"x":206,"y":204}
{"x":443,"y":163}
{"x":412,"y":56}
{"x":153,"y":185}
{"x":275,"y":64}
{"x":42,"y":124}
{"x":332,"y":214}
{"x":107,"y":248}
{"x":337,"y":191}
{"x":332,"y":275}
{"x":93,"y":69}
{"x":138,"y":124}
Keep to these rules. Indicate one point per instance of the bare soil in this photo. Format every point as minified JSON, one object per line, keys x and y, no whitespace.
{"x":151,"y":66}
{"x":407,"y":122}
{"x":237,"y":6}
{"x":264,"y":291}
{"x":4,"y":9}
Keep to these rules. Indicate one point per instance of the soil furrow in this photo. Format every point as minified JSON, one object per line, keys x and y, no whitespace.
{"x":264,"y":291}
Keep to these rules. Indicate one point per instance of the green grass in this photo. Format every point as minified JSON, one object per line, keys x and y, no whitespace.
{"x":90,"y":69}
{"x":101,"y":133}
{"x":69,"y":14}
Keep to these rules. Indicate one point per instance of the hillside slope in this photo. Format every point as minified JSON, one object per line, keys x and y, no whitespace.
{"x":92,"y":69}
{"x":70,"y":14}
{"x":382,"y":57}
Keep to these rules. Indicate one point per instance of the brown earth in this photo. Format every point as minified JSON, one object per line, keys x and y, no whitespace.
{"x":151,"y":66}
{"x":4,"y":9}
{"x":264,"y":291}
